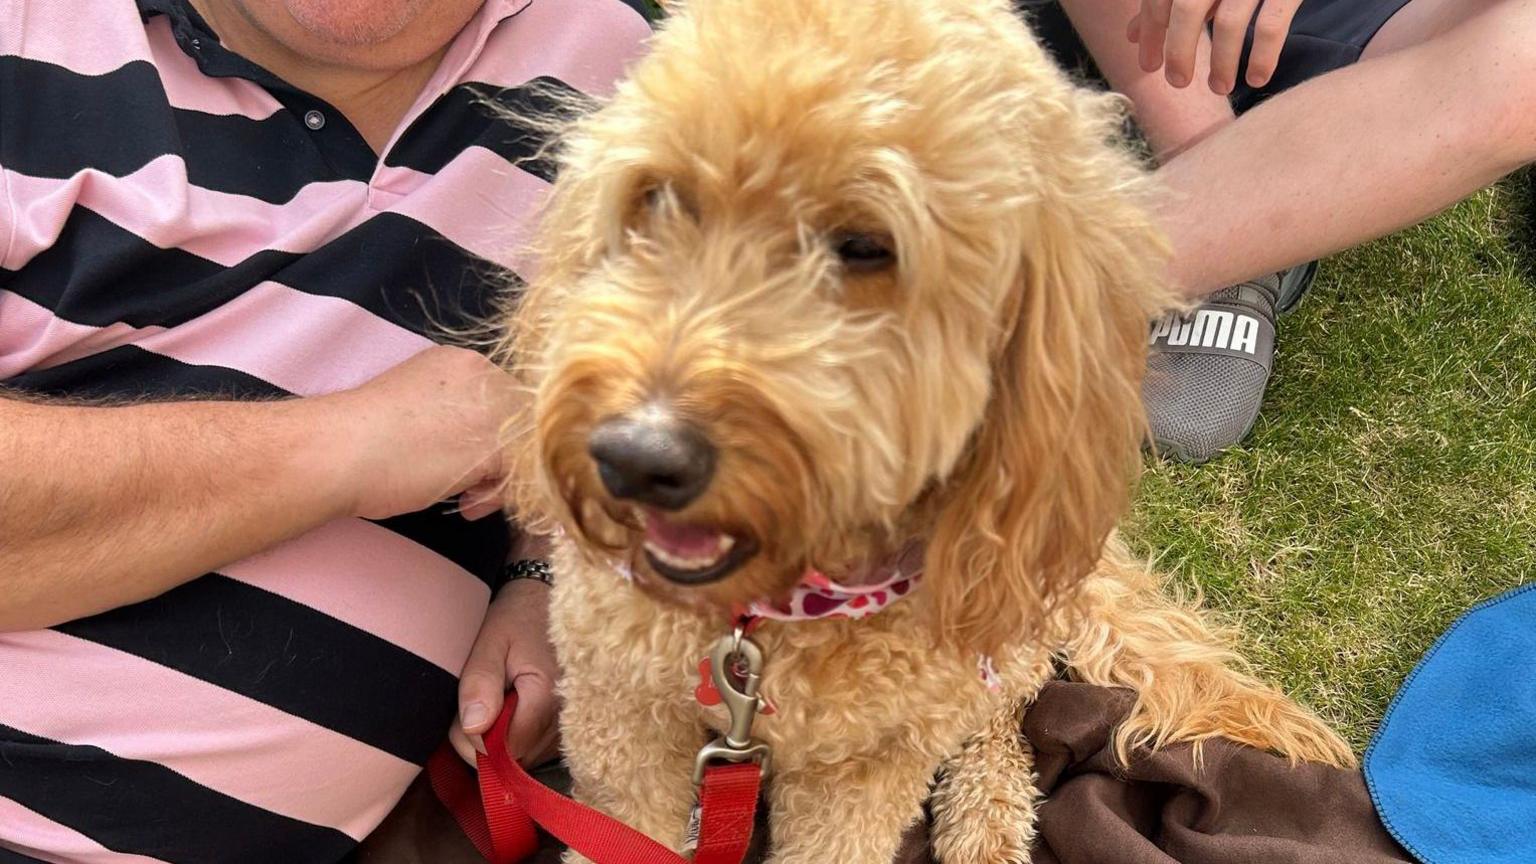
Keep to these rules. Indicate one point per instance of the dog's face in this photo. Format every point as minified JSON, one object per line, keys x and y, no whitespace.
{"x":828,"y":275}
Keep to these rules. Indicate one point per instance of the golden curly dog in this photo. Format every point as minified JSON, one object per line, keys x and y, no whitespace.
{"x":825,"y":279}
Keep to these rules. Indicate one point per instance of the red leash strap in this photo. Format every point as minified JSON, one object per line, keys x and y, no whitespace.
{"x":500,"y":830}
{"x":727,"y":808}
{"x":500,"y":819}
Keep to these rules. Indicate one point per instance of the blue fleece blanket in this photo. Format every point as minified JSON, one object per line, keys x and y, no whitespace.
{"x":1453,"y":767}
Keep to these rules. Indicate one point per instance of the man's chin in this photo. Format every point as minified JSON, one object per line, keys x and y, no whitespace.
{"x":388,"y":35}
{"x":354,"y":23}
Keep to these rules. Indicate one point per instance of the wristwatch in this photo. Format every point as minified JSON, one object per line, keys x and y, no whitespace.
{"x":537,"y":569}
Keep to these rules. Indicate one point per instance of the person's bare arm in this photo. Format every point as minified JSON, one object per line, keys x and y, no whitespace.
{"x":1172,"y":118}
{"x":105,"y":506}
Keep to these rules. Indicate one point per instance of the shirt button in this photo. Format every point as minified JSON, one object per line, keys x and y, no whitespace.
{"x":314,"y":120}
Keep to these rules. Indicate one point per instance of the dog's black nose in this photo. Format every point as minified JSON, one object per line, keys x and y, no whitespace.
{"x":654,"y":461}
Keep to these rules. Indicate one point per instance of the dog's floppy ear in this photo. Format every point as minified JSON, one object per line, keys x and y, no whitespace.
{"x":1049,"y":472}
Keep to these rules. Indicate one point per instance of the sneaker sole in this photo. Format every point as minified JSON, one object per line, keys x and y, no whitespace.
{"x":1167,"y":450}
{"x":1290,"y":300}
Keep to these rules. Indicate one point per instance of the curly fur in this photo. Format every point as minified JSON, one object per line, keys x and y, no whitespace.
{"x":983,"y":394}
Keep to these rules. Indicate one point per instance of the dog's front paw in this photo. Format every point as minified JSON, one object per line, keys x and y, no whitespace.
{"x":984,"y":804}
{"x":998,"y":836}
{"x":980,"y":822}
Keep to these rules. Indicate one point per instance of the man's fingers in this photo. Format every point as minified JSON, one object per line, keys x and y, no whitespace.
{"x":482,"y":684}
{"x":1154,"y":31}
{"x":533,"y":726}
{"x":483,"y":486}
{"x":480,"y":500}
{"x":1186,"y":23}
{"x":547,"y":750}
{"x":1157,"y":12}
{"x":466,"y":746}
{"x":1229,"y":31}
{"x":480,"y":698}
{"x":1269,"y":32}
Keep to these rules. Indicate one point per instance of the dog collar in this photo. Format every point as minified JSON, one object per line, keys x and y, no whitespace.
{"x":818,"y":597}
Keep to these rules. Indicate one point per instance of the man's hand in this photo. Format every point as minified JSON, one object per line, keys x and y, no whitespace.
{"x":512,"y":651}
{"x":1168,"y":32}
{"x":425,"y":431}
{"x":176,"y":489}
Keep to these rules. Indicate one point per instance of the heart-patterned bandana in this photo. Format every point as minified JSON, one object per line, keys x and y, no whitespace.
{"x":818,"y":597}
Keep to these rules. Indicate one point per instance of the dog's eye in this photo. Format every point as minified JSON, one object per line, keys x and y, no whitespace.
{"x":863,"y":253}
{"x":665,"y":200}
{"x":648,"y":200}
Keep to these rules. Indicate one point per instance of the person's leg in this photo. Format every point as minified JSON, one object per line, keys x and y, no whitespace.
{"x":1171,"y":118}
{"x":1294,"y":153}
{"x":1420,"y":21}
{"x":1445,"y":106}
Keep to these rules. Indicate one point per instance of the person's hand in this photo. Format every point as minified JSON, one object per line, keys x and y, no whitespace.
{"x":1169,"y":31}
{"x":422,"y":432}
{"x":513,"y":651}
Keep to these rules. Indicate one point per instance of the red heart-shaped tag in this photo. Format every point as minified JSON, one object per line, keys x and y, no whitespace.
{"x":706,"y":693}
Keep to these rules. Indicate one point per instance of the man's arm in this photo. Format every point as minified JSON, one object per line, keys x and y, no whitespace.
{"x":105,"y":506}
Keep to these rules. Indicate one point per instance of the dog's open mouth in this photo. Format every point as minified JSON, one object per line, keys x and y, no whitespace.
{"x":692,"y":554}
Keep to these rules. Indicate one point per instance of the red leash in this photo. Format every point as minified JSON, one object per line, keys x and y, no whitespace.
{"x":500,"y":814}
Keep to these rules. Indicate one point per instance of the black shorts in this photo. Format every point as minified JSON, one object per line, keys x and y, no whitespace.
{"x":1325,"y":35}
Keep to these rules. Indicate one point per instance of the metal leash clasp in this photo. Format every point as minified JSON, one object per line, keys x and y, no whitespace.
{"x":736,"y":653}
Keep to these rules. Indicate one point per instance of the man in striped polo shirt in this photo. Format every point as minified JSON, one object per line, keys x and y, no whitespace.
{"x":231,"y":621}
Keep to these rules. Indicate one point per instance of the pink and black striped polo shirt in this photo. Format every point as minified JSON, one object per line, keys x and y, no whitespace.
{"x":178,"y":223}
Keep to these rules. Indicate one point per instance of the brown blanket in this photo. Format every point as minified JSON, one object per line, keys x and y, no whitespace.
{"x":1243,"y":805}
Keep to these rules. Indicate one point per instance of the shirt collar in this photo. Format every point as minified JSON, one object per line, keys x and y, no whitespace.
{"x":198,"y":41}
{"x":462,"y":52}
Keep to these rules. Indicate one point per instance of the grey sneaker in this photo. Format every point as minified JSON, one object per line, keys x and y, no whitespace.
{"x":1207,"y":370}
{"x":1293,"y":286}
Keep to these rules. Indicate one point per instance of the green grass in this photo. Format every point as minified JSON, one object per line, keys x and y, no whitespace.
{"x":1391,"y":481}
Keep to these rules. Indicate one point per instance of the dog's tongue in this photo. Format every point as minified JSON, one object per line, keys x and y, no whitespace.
{"x":680,"y":539}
